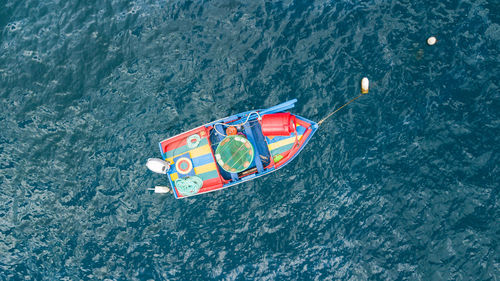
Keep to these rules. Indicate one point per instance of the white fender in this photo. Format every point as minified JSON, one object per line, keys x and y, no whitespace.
{"x":365,"y":85}
{"x":162,"y":189}
{"x":431,"y":40}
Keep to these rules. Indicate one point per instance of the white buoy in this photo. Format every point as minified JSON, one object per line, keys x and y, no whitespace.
{"x":431,"y":40}
{"x":162,"y":189}
{"x":157,"y":165}
{"x":365,"y":85}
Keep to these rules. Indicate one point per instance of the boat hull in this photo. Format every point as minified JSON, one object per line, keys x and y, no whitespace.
{"x":195,"y":149}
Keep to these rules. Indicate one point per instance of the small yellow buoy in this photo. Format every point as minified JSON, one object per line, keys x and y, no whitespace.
{"x":431,"y":40}
{"x":365,"y":85}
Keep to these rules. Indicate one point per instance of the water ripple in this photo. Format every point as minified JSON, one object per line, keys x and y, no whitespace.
{"x":401,"y":185}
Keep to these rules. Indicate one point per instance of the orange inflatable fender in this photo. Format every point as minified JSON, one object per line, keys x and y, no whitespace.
{"x":231,"y":131}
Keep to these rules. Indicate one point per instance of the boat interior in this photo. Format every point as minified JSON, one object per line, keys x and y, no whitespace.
{"x":253,"y":132}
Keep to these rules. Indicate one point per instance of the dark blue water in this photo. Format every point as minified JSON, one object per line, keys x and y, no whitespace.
{"x":403,"y":184}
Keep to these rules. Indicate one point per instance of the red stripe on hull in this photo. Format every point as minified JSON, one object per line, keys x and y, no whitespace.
{"x":296,"y":148}
{"x":180,"y":140}
{"x":169,"y":146}
{"x":208,"y":185}
{"x":211,"y":184}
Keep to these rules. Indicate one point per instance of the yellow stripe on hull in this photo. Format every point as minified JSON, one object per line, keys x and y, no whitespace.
{"x":205,"y":168}
{"x":198,"y":170}
{"x":281,"y":143}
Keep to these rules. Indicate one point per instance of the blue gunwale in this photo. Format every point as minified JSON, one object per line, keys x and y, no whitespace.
{"x":237,"y":118}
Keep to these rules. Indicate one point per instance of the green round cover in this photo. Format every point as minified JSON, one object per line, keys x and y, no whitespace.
{"x":234,"y":153}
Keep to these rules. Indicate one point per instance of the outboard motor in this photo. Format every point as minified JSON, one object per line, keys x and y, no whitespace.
{"x":158,"y":166}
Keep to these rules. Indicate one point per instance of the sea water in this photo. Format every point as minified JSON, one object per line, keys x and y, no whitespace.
{"x":403,"y":184}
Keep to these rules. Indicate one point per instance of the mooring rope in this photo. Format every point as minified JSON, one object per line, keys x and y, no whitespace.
{"x":336,"y":110}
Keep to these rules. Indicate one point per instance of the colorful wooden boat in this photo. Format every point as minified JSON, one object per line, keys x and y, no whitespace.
{"x":233,"y":150}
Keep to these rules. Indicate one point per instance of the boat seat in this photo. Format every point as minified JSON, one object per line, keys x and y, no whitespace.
{"x":250,"y":137}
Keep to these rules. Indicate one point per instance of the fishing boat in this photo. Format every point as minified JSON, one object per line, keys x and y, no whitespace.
{"x":235,"y":149}
{"x":232,"y":150}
